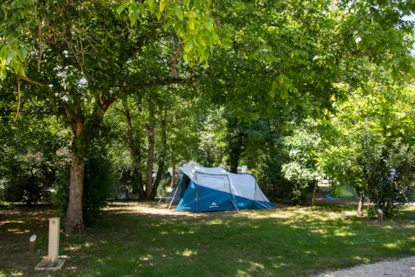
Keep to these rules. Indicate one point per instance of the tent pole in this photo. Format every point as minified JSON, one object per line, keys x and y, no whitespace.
{"x":174,"y":195}
{"x":233,"y":195}
{"x":197,"y":195}
{"x":197,"y":191}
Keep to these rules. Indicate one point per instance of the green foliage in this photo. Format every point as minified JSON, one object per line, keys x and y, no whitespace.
{"x":60,"y":197}
{"x":373,"y":135}
{"x":97,"y":182}
{"x":32,"y":149}
{"x":223,"y":82}
{"x":270,"y":176}
{"x":389,"y":175}
{"x":303,"y":168}
{"x":23,"y":183}
{"x":192,"y":21}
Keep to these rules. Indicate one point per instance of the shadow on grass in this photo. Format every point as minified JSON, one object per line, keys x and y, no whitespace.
{"x":283,"y":242}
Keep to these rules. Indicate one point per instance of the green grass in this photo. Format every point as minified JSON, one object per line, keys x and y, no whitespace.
{"x":131,"y":240}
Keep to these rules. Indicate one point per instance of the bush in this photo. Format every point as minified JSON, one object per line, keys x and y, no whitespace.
{"x":390,"y":176}
{"x":24,"y":182}
{"x":271,"y":179}
{"x":98,"y":180}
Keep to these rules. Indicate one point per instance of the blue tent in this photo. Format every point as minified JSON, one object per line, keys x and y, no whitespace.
{"x":202,"y":189}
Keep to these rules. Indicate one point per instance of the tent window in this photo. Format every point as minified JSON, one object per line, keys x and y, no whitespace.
{"x":187,"y":180}
{"x":185,"y":184}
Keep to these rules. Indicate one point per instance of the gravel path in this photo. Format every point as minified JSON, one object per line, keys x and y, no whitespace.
{"x":404,"y":267}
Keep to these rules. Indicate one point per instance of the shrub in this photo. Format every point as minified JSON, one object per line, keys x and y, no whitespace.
{"x":389,"y":176}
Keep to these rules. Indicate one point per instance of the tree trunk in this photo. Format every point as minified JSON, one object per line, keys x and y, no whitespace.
{"x":74,"y":218}
{"x":74,"y":222}
{"x":134,"y":150}
{"x":235,"y":141}
{"x":159,"y":175}
{"x":162,"y":159}
{"x":173,"y":171}
{"x":236,"y":152}
{"x":314,"y":193}
{"x":361,"y":203}
{"x":150,"y":158}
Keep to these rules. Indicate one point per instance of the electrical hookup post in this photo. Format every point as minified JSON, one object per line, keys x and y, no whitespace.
{"x":53,"y":261}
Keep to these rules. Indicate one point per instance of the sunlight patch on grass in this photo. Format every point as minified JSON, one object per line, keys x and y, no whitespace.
{"x":255,"y":266}
{"x":146,"y":257}
{"x":349,"y":213}
{"x":186,"y":253}
{"x":11,"y":222}
{"x":298,"y":213}
{"x":388,"y":227}
{"x":11,"y":274}
{"x":100,"y":261}
{"x":391,"y":245}
{"x":73,"y":248}
{"x":17,"y":231}
{"x":343,"y":233}
{"x":361,"y":259}
{"x":77,"y":247}
{"x":215,"y":221}
{"x":280,"y":265}
{"x":310,"y":252}
{"x":320,"y":231}
{"x":186,"y":232}
{"x":410,"y":208}
{"x":240,"y":272}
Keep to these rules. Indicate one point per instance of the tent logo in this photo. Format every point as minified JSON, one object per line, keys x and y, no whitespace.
{"x":213,"y":205}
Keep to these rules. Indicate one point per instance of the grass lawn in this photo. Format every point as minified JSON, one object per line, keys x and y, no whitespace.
{"x":141,"y":240}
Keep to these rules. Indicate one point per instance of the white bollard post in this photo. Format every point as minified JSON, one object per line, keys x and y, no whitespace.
{"x":32,"y":244}
{"x":380,"y":215}
{"x":53,"y":249}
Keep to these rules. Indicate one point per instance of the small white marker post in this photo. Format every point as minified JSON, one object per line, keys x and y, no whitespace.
{"x":53,"y":249}
{"x":32,"y":244}
{"x":380,"y":215}
{"x":52,"y":261}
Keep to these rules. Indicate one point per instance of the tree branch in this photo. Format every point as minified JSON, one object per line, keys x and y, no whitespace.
{"x":121,"y":111}
{"x":18,"y":98}
{"x":32,"y":82}
{"x":166,"y":82}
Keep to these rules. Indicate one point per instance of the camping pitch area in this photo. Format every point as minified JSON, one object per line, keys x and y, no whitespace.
{"x":133,"y":239}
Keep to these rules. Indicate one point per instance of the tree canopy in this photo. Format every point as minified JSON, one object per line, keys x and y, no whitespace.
{"x":109,"y":94}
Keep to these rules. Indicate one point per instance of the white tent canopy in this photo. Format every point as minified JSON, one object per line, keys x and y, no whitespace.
{"x":209,"y":184}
